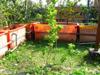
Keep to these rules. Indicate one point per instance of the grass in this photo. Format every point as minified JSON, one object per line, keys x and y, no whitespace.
{"x":35,"y":58}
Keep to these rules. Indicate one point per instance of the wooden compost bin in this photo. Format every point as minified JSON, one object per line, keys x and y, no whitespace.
{"x":3,"y":43}
{"x":68,"y":33}
{"x":16,"y":35}
{"x":88,"y":33}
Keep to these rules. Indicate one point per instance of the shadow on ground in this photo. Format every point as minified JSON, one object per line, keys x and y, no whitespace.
{"x":91,"y":60}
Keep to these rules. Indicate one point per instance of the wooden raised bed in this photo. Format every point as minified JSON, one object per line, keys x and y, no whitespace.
{"x":88,"y":33}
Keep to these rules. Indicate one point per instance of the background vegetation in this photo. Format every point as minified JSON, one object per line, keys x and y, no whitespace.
{"x":21,"y":11}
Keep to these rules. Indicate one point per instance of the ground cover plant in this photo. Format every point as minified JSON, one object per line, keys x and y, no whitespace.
{"x":32,"y":58}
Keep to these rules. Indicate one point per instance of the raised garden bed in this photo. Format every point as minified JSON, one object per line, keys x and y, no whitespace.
{"x":68,"y":33}
{"x":16,"y":34}
{"x":3,"y":43}
{"x":88,"y":33}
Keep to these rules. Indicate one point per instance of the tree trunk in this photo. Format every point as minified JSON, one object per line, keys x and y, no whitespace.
{"x":97,"y":6}
{"x":26,"y":12}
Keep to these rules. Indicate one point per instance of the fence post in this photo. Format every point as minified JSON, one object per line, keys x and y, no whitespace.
{"x":78,"y":34}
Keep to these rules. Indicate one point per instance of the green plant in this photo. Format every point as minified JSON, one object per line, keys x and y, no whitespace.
{"x":12,"y":57}
{"x":79,"y":72}
{"x":53,"y":33}
{"x":28,"y":59}
{"x":69,"y":10}
{"x":83,"y":71}
{"x":71,"y":49}
{"x":17,"y":11}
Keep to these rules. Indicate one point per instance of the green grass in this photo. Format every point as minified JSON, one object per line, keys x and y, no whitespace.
{"x":35,"y":58}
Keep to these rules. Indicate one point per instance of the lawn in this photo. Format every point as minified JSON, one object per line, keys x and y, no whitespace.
{"x":35,"y":58}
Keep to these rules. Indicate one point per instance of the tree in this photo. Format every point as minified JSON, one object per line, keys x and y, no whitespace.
{"x":17,"y":11}
{"x":51,"y":14}
{"x":69,"y":10}
{"x":9,"y":9}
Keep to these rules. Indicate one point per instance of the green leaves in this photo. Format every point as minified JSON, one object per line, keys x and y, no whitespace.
{"x":70,"y":11}
{"x":54,"y":1}
{"x":17,"y":11}
{"x":72,"y":50}
{"x":53,"y":33}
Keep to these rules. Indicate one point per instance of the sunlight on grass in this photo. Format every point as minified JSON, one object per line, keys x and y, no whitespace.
{"x":34,"y":58}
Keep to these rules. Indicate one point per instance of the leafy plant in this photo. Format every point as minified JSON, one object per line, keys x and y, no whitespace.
{"x":69,"y":10}
{"x":72,"y":50}
{"x":79,"y":72}
{"x":17,"y":11}
{"x":53,"y":33}
{"x":89,"y":13}
{"x":83,"y":71}
{"x":28,"y":59}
